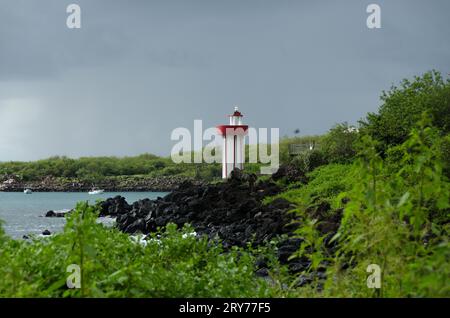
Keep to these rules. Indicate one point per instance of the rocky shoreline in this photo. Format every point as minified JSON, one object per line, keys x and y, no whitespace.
{"x":232,"y":211}
{"x":12,"y":183}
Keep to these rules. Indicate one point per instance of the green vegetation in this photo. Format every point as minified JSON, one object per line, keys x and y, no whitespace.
{"x":380,"y":195}
{"x":84,"y":167}
{"x":393,"y":213}
{"x":113,"y":264}
{"x":338,"y":146}
{"x":93,"y":169}
{"x":390,"y":201}
{"x":324,"y":184}
{"x":396,"y":220}
{"x":403,"y":106}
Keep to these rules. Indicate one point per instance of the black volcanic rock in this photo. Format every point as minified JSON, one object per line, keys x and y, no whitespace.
{"x":53,"y":214}
{"x":232,"y":211}
{"x":291,"y":173}
{"x":50,"y":214}
{"x":114,"y":206}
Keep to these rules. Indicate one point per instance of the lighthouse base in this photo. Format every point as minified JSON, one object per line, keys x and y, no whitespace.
{"x":229,"y":167}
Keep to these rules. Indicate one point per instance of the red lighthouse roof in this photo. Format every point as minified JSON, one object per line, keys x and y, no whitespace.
{"x":235,"y":127}
{"x":236,"y":113}
{"x":232,"y":129}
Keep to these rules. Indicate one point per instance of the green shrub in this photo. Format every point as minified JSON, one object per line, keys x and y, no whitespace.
{"x":445,"y":154}
{"x":397,"y":221}
{"x":286,"y":141}
{"x":325,"y":184}
{"x":403,"y":106}
{"x":173,"y":263}
{"x":87,"y":168}
{"x":338,"y":145}
{"x":309,"y":160}
{"x":395,"y":215}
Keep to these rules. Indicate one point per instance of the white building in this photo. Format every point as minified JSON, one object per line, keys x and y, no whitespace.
{"x":233,"y":149}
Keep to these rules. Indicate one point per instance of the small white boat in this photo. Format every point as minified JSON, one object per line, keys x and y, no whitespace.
{"x":27,"y":191}
{"x":96,"y":191}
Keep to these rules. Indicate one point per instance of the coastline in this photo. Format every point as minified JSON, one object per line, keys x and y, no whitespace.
{"x":109,"y":184}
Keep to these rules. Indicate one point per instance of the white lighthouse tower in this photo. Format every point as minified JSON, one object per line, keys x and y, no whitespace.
{"x":233,"y":149}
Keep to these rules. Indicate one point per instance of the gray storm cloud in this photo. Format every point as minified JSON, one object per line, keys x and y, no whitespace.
{"x":136,"y":70}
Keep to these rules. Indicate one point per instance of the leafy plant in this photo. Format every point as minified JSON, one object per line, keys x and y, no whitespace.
{"x":338,"y":145}
{"x":173,"y":263}
{"x":403,"y":106}
{"x":396,"y":221}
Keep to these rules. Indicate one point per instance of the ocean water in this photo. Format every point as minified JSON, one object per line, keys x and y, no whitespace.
{"x":23,"y":214}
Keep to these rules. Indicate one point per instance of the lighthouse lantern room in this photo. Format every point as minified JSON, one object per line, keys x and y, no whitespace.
{"x":233,"y":149}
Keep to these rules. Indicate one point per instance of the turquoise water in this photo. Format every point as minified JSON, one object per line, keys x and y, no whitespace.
{"x":24,"y":213}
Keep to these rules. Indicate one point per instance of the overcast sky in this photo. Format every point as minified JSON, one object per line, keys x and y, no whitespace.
{"x":138,"y":69}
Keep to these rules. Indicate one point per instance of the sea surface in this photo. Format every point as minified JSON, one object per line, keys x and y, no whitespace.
{"x":23,"y":214}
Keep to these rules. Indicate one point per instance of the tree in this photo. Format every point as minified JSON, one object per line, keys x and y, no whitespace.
{"x":403,"y":106}
{"x":338,"y":145}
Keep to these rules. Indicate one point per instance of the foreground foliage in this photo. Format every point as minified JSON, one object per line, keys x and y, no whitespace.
{"x":398,"y":221}
{"x":394,"y":214}
{"x":171,"y":264}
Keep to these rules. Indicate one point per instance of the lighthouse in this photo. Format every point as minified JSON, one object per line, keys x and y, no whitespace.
{"x":233,"y":149}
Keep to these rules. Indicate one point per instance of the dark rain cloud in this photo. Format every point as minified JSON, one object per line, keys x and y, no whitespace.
{"x":138,"y":69}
